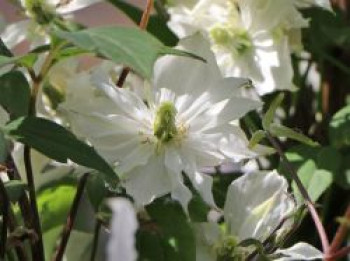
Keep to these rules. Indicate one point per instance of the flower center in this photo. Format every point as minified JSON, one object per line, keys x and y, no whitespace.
{"x":228,"y":250}
{"x":40,"y":10}
{"x":237,"y":41}
{"x":164,"y":124}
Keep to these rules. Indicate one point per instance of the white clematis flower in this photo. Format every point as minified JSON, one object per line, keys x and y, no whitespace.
{"x":40,"y":14}
{"x":180,"y":126}
{"x":257,"y":205}
{"x":121,"y":244}
{"x":250,"y":38}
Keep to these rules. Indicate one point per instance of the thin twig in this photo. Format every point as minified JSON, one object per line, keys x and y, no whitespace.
{"x":142,"y":25}
{"x":5,"y":215}
{"x":23,"y":201}
{"x":70,"y":219}
{"x":339,"y":235}
{"x":38,"y":250}
{"x":310,"y":205}
{"x":339,"y":254}
{"x":21,"y":253}
{"x":95,"y":242}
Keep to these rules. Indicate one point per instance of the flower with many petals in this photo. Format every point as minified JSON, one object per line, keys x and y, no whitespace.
{"x":179,"y":126}
{"x":250,"y":38}
{"x":257,"y":207}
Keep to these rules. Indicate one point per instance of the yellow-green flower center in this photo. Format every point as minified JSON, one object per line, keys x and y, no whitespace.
{"x":165,"y":122}
{"x":235,"y":40}
{"x":229,"y":250}
{"x":40,"y":10}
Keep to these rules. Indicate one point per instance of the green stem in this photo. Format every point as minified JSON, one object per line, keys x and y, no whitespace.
{"x":38,"y":247}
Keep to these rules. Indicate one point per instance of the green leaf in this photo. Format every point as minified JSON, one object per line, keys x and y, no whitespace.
{"x":198,"y":209}
{"x":15,"y":189}
{"x":3,"y":148}
{"x":26,"y":60}
{"x":176,"y":231}
{"x":339,"y":128}
{"x":317,"y":167}
{"x":57,"y":143}
{"x":270,"y":113}
{"x":256,"y":138}
{"x":129,"y":46}
{"x":156,"y":25}
{"x":54,"y":204}
{"x":96,"y":190}
{"x":15,"y":93}
{"x":316,"y":181}
{"x":283,"y":131}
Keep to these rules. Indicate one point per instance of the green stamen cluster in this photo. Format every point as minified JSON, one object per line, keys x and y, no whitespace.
{"x":40,"y":11}
{"x":164,"y":124}
{"x":235,"y":40}
{"x":228,"y":250}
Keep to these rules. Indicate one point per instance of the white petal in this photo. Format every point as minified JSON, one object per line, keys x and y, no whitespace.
{"x":207,"y":234}
{"x":15,"y":33}
{"x":75,"y":5}
{"x":148,"y":182}
{"x":203,"y":184}
{"x":300,"y":251}
{"x":256,"y":204}
{"x":121,"y":244}
{"x":184,"y":75}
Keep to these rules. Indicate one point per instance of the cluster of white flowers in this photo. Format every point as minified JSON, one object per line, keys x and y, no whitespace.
{"x":158,"y":134}
{"x":250,"y":38}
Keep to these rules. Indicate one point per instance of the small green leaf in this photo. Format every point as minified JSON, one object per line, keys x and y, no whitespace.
{"x":283,"y":131}
{"x":316,"y":181}
{"x":15,"y":93}
{"x":26,"y":60}
{"x":339,"y":128}
{"x":129,"y":46}
{"x":96,"y":190}
{"x":179,"y":241}
{"x":316,"y":167}
{"x":54,"y":204}
{"x":57,"y":143}
{"x":256,"y":138}
{"x":270,"y":113}
{"x":15,"y":189}
{"x":198,"y":209}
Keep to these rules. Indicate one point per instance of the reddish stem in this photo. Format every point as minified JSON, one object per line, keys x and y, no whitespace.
{"x":70,"y":219}
{"x":339,"y":237}
{"x":142,"y":25}
{"x":310,"y":205}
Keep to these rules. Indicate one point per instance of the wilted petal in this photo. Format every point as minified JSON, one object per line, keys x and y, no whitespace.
{"x":121,"y":244}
